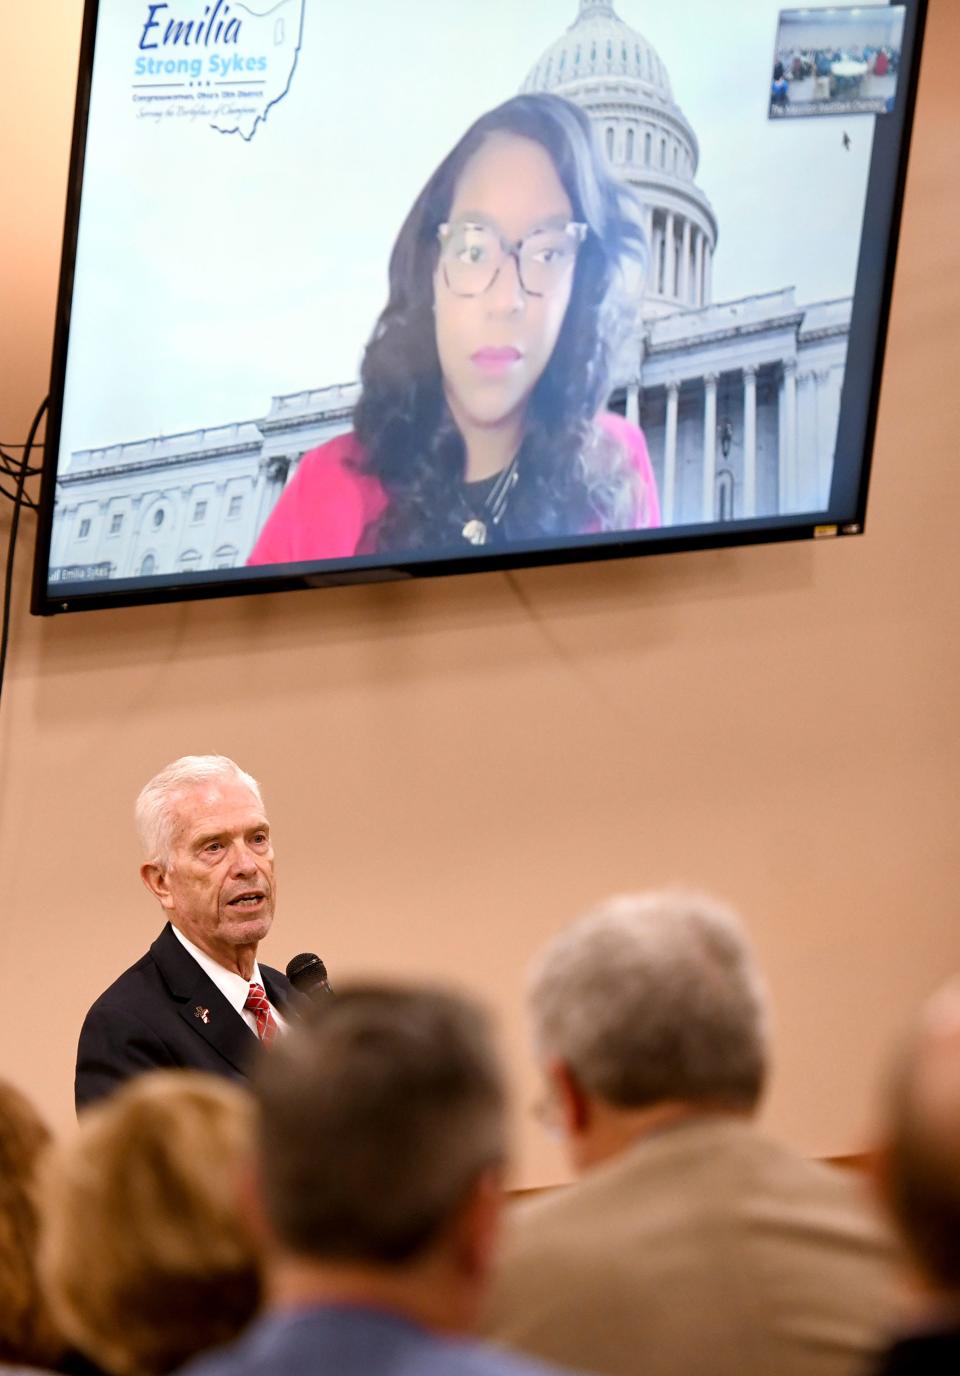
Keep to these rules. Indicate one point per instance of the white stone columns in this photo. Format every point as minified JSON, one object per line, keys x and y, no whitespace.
{"x":828,"y":410}
{"x":97,"y":545}
{"x":183,"y":523}
{"x":64,"y":519}
{"x":633,"y":403}
{"x":709,"y":493}
{"x":698,"y":272}
{"x":685,"y":264}
{"x":808,"y":477}
{"x":750,"y":440}
{"x":670,"y":455}
{"x":788,"y":431}
{"x":708,"y":276}
{"x":261,"y":488}
{"x":670,"y":258}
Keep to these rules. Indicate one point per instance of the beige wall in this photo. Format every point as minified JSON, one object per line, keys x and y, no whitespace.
{"x":455,"y":768}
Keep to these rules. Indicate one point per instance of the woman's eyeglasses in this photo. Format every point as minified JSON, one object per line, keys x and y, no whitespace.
{"x":473,"y":253}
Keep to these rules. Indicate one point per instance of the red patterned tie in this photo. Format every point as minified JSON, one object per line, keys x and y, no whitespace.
{"x":260,"y":1008}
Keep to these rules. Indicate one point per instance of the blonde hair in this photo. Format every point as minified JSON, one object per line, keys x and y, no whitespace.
{"x":144,"y":1252}
{"x":27,"y":1334}
{"x":155,"y":809}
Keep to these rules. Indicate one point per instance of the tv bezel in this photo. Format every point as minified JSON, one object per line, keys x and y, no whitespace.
{"x":163,"y":588}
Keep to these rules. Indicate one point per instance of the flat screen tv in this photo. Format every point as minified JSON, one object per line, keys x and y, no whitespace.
{"x":357,"y":290}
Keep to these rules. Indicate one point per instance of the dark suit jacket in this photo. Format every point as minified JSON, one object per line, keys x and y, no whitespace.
{"x":165,"y":1012}
{"x":933,"y":1353}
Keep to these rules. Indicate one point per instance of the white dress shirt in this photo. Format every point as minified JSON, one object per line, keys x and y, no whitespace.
{"x":232,"y":986}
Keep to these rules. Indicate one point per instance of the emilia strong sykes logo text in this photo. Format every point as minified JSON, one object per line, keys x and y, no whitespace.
{"x":201,"y":61}
{"x":215,"y":26}
{"x":167,"y":35}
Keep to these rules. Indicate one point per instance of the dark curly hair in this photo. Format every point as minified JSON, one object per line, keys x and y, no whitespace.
{"x":572,"y":477}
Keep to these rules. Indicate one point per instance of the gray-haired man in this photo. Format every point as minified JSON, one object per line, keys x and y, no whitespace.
{"x":198,"y":998}
{"x":691,"y":1243}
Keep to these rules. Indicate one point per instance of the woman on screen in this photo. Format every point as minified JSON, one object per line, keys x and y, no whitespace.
{"x":480,"y":419}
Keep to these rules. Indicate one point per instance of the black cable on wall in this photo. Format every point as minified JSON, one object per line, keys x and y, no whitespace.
{"x":18,"y":470}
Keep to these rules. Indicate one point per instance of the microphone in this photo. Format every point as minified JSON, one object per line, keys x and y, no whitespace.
{"x":308,"y":975}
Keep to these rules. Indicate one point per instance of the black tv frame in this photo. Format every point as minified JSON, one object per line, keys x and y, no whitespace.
{"x":574,"y":550}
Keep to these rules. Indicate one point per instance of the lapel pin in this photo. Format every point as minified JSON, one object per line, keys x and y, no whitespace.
{"x":202,"y":1013}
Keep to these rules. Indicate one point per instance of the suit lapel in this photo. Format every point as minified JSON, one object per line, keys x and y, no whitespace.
{"x":200,"y":1003}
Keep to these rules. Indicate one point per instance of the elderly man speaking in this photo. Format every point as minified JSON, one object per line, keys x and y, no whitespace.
{"x":198,"y":998}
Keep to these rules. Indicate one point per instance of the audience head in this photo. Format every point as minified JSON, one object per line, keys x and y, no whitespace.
{"x":381,"y":1135}
{"x":650,"y":1006}
{"x":27,"y":1334}
{"x":208,"y":856}
{"x":920,"y":1170}
{"x":146,"y":1258}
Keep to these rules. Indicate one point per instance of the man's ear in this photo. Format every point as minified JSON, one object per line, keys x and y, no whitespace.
{"x":476,"y":1227}
{"x":253,"y":1209}
{"x":573,"y":1104}
{"x":156,"y":881}
{"x":879,"y":1173}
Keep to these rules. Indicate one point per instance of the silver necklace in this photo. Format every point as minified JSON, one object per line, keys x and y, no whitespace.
{"x":476,"y":529}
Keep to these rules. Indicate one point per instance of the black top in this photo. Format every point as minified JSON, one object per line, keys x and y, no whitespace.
{"x":476,"y":492}
{"x":474,"y":507}
{"x":165,"y":1012}
{"x":934,"y":1353}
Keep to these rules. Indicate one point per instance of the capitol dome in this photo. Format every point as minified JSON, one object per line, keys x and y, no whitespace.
{"x":619,"y":79}
{"x":598,"y":43}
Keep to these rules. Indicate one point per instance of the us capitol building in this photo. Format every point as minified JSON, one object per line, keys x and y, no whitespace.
{"x":729,"y":394}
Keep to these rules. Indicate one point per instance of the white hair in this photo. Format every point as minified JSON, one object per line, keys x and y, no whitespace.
{"x":653,"y":997}
{"x":155,"y":810}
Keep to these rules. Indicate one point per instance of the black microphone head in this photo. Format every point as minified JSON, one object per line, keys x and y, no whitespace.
{"x":307,"y":972}
{"x":305,"y":961}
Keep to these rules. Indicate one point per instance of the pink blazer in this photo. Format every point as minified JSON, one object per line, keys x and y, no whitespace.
{"x":329,"y":502}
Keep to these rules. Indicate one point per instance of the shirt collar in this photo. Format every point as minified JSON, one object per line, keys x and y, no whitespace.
{"x":232,"y":986}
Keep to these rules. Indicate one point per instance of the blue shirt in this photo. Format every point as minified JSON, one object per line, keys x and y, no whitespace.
{"x":351,"y":1340}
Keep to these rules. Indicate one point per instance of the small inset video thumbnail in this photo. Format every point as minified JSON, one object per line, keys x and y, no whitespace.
{"x":838,"y":61}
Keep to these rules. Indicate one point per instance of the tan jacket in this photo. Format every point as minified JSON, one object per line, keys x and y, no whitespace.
{"x":704,"y":1250}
